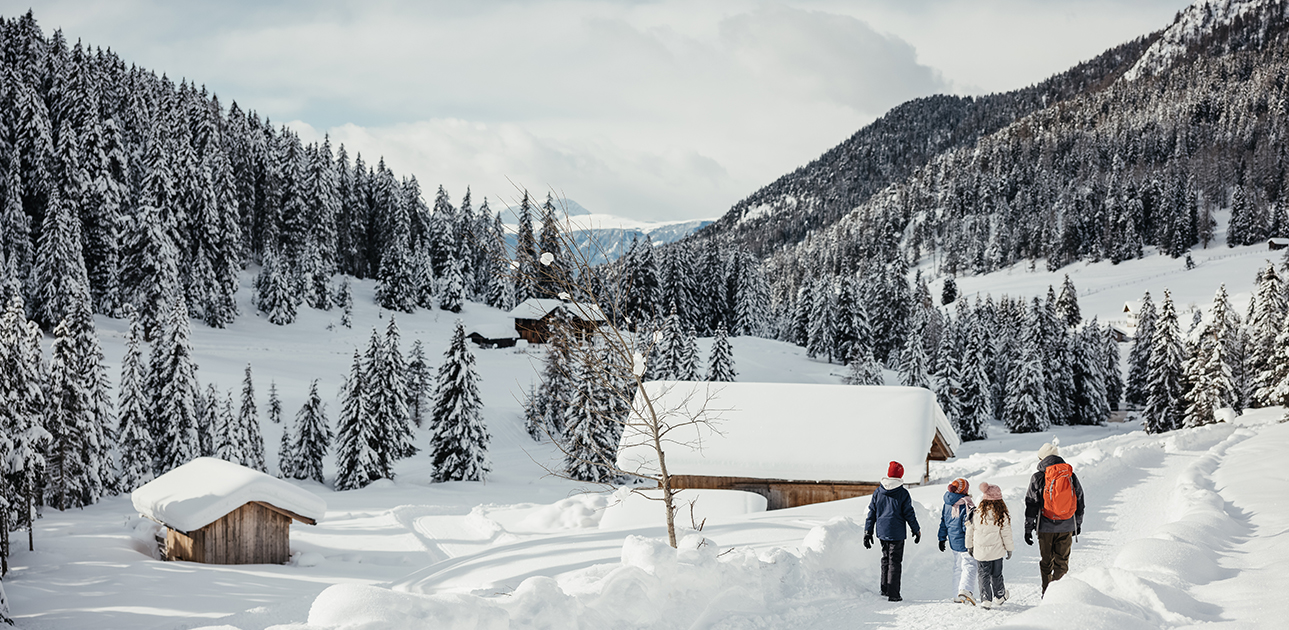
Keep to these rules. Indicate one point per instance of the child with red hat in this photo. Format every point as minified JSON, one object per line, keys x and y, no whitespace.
{"x":957,"y":511}
{"x":890,"y":510}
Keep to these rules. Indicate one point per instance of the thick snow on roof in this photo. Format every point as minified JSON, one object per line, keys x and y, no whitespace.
{"x":789,"y":431}
{"x":534,"y":308}
{"x":202,"y":491}
{"x":496,"y":331}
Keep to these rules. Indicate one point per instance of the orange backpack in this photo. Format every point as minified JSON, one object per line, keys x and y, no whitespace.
{"x":1059,"y":502}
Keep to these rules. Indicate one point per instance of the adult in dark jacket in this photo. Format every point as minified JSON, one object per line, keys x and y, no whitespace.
{"x":1055,"y":536}
{"x":889,"y":511}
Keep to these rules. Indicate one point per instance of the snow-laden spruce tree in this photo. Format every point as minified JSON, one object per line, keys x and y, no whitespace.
{"x":671,"y":349}
{"x":1210,"y":388}
{"x":67,"y":483}
{"x":544,"y":411}
{"x":913,"y":370}
{"x":1110,"y":367}
{"x":1266,"y":318}
{"x":1165,"y":385}
{"x":1088,"y":367}
{"x":1067,"y":304}
{"x":453,"y":291}
{"x":688,"y":368}
{"x":59,"y":275}
{"x":345,"y":300}
{"x":22,"y":417}
{"x":175,"y":398}
{"x":822,"y":327}
{"x":720,"y":363}
{"x":1027,"y":408}
{"x":275,"y":404}
{"x":210,"y":424}
{"x":419,"y":382}
{"x":947,"y":380}
{"x":387,"y":397}
{"x":311,"y":437}
{"x":593,"y":425}
{"x":863,"y":368}
{"x":1136,"y":388}
{"x":274,"y":294}
{"x":358,"y":460}
{"x":133,"y":438}
{"x":250,"y":443}
{"x":459,"y":442}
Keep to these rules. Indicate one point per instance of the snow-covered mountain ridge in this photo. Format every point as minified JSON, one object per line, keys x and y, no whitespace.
{"x":1194,"y":23}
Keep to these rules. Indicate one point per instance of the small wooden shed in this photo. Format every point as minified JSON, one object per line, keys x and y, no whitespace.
{"x":795,"y":444}
{"x":493,"y":336}
{"x":218,"y":512}
{"x":532,"y":317}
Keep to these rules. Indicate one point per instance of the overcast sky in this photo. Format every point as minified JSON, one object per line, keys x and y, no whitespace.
{"x":650,"y":110}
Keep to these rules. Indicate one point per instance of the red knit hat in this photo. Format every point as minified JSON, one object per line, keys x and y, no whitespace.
{"x":895,"y":471}
{"x":958,"y":486}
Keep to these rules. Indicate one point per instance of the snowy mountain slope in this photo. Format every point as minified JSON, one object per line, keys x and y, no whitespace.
{"x":1195,"y":23}
{"x":605,"y":237}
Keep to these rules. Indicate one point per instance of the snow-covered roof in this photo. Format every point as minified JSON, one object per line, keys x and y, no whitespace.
{"x":205,"y":489}
{"x":1278,"y":241}
{"x":802,"y":432}
{"x":495,"y":331}
{"x":535,"y":308}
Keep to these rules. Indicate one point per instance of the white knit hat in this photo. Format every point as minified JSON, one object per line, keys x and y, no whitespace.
{"x":1048,"y":450}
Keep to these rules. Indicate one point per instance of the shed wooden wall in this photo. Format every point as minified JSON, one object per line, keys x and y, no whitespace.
{"x":251,"y":534}
{"x":778,"y":493}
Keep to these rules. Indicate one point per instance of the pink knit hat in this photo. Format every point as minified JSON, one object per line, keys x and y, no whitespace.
{"x":991,"y":492}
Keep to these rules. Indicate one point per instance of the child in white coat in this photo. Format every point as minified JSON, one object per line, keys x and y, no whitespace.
{"x":989,"y":541}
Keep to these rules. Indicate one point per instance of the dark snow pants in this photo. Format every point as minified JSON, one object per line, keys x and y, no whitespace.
{"x":991,"y":579}
{"x":1054,"y":552}
{"x":892,"y":565}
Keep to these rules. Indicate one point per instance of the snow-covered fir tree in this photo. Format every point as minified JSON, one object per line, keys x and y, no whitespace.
{"x":720,"y":363}
{"x":1113,"y":373}
{"x":671,"y":350}
{"x":419,"y":382}
{"x":345,"y":300}
{"x":1136,"y":388}
{"x":913,"y":363}
{"x":1266,"y":317}
{"x":247,"y":443}
{"x":22,"y":418}
{"x":387,"y":397}
{"x":210,"y":426}
{"x":949,"y":294}
{"x":69,"y":416}
{"x":311,"y":438}
{"x":453,"y":292}
{"x":1089,"y":399}
{"x":274,"y":294}
{"x":459,"y":442}
{"x":134,"y":441}
{"x":1211,"y":387}
{"x":175,"y":394}
{"x":275,"y":404}
{"x":1165,"y":384}
{"x":1067,"y":304}
{"x":545,"y":411}
{"x":1027,"y":408}
{"x":863,"y":368}
{"x":595,"y":417}
{"x":975,"y":398}
{"x":358,"y":459}
{"x":947,"y":380}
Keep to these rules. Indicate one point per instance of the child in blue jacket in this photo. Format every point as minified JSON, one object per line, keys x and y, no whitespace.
{"x":957,"y":510}
{"x":890,"y":509}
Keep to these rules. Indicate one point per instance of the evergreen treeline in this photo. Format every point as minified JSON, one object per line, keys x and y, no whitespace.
{"x":119,"y":184}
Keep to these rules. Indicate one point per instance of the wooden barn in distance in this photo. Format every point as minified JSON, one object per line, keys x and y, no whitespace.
{"x":795,"y":444}
{"x":218,"y":512}
{"x":532,"y":317}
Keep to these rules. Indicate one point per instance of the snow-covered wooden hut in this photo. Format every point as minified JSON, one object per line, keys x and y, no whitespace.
{"x":493,"y":335}
{"x":794,"y":444}
{"x":218,"y":512}
{"x":532,"y":317}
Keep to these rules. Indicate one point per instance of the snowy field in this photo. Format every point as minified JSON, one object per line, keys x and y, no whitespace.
{"x":1182,"y":529}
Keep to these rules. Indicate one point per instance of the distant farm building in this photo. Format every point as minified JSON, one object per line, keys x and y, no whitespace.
{"x":1277,"y":243}
{"x":794,"y":444}
{"x":218,"y":512}
{"x":494,"y":336}
{"x":533,"y":318}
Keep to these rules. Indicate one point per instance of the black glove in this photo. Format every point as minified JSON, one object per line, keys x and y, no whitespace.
{"x":917,"y":538}
{"x":941,"y":545}
{"x":1029,"y":537}
{"x":868,"y":540}
{"x":1078,"y":529}
{"x":1009,"y":555}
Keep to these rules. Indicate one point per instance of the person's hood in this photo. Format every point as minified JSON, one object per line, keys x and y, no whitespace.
{"x":952,"y":497}
{"x":891,"y":483}
{"x":1048,"y":461}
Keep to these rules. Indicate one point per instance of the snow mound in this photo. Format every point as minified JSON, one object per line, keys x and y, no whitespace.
{"x":628,"y":509}
{"x":202,"y":491}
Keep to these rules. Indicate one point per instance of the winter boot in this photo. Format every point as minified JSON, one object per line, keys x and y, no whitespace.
{"x":987,"y":604}
{"x":964,"y":597}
